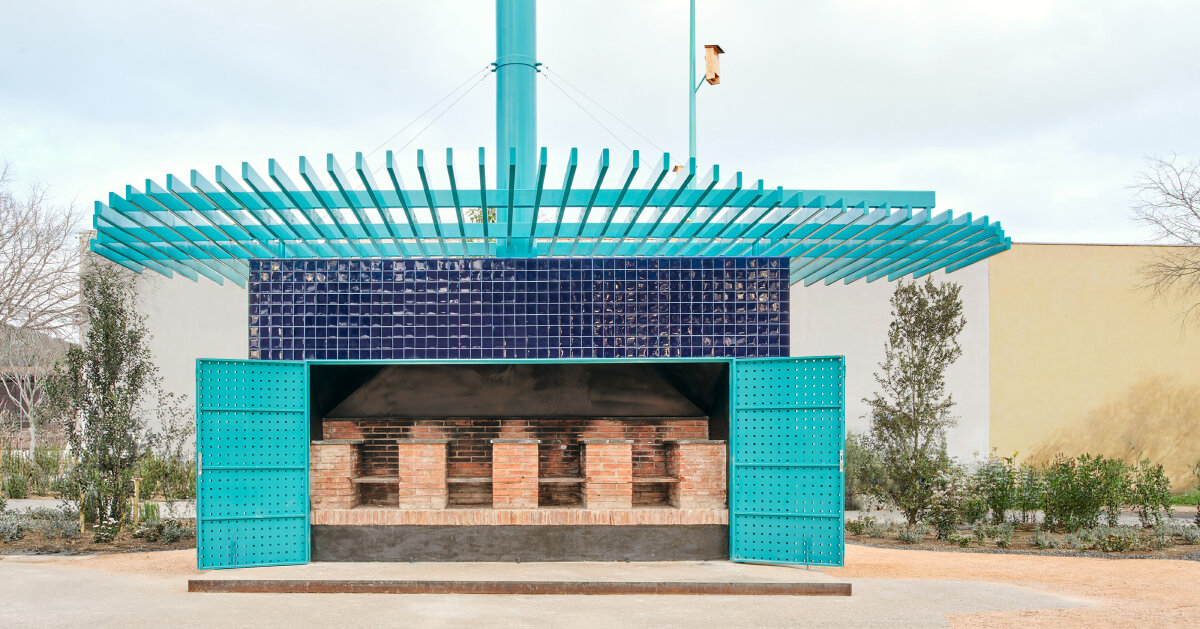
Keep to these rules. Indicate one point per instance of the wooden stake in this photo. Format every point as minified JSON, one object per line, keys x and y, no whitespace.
{"x":137,"y":502}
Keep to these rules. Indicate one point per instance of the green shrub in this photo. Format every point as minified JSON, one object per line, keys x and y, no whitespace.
{"x":910,"y":535}
{"x":1004,"y":536}
{"x":16,"y":487}
{"x":1113,"y":478}
{"x":874,"y":529}
{"x":1151,"y":495}
{"x":1114,"y":539}
{"x":961,"y":540}
{"x":1076,"y":542}
{"x":864,"y":471}
{"x":167,"y":477}
{"x":1030,"y":485}
{"x":945,"y":502}
{"x":1041,"y":539}
{"x":997,"y":483}
{"x":1196,"y":472}
{"x":148,"y":512}
{"x":12,"y":527}
{"x":1185,"y":534}
{"x":1160,"y":537}
{"x":3,"y":501}
{"x":165,"y":531}
{"x":57,"y":528}
{"x":1078,"y":489}
{"x":106,"y":530}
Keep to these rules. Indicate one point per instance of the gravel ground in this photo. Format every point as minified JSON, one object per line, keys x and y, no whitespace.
{"x":1127,"y":592}
{"x":892,"y":588}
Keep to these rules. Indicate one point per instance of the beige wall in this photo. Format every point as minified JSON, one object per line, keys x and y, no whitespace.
{"x":1083,"y":360}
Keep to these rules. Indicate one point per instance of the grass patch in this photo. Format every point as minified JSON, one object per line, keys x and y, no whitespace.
{"x":1188,"y":499}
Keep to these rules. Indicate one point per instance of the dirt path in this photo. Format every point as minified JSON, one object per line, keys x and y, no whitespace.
{"x":1130,"y":592}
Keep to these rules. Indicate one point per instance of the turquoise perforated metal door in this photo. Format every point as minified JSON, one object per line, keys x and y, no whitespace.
{"x":251,"y":463}
{"x":787,"y":439}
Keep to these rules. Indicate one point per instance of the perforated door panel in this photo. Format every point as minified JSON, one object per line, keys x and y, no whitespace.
{"x":252,"y":463}
{"x":787,"y":439}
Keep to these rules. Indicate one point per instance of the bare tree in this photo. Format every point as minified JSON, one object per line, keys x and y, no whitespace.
{"x":39,"y":297}
{"x":1168,"y":202}
{"x":27,"y":360}
{"x":39,"y":260}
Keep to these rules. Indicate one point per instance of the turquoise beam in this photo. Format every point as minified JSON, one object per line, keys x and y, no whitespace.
{"x":402,"y":199}
{"x":601,"y":170}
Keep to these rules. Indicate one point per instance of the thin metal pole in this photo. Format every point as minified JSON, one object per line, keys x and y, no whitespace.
{"x":692,"y":86}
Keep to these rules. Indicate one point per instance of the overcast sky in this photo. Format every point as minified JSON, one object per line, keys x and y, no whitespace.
{"x":1035,"y":112}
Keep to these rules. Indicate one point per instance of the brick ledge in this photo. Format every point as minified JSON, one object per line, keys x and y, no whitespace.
{"x":375,"y":516}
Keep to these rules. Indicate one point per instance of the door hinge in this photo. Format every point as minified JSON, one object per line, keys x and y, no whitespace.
{"x":199,"y":463}
{"x":841,"y":461}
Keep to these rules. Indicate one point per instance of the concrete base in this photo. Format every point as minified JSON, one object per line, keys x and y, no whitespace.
{"x":520,"y":543}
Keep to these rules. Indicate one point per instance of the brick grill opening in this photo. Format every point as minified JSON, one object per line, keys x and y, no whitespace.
{"x":470,"y":464}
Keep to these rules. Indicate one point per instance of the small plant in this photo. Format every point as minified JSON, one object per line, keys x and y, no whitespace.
{"x":1030,"y":485}
{"x":945,"y":501}
{"x":15,"y":487}
{"x":874,"y":529}
{"x":1186,"y":534}
{"x":60,"y":523}
{"x":858,"y":526}
{"x":1044,"y":540}
{"x":960,"y":540}
{"x":165,"y":531}
{"x":910,"y":535}
{"x":60,"y":528}
{"x":3,"y":501}
{"x":1076,"y":542}
{"x":1115,"y":539}
{"x":1151,"y":495}
{"x":148,"y":512}
{"x":979,"y":536}
{"x":1077,"y":489}
{"x":106,"y":530}
{"x":1113,"y":481}
{"x":997,"y":484}
{"x":1161,"y":537}
{"x":1196,"y":473}
{"x":1003,"y":534}
{"x":12,"y":527}
{"x":864,"y":471}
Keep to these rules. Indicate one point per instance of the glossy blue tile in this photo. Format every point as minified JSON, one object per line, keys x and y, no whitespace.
{"x":518,"y":308}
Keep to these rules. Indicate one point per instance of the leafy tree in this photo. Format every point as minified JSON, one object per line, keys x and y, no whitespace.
{"x":99,"y":386}
{"x":910,"y":412}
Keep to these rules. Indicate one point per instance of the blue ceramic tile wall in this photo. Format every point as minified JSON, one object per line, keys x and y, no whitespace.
{"x":369,"y":309}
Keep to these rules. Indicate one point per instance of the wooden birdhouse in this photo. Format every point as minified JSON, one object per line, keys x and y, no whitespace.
{"x":712,"y":63}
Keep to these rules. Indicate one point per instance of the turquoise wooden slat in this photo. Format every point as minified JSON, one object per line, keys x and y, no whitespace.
{"x":787,"y":439}
{"x":251,"y":463}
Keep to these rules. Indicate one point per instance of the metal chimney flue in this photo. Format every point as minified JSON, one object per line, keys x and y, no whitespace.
{"x":516,"y":70}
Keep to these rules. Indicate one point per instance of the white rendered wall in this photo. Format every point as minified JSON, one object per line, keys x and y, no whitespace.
{"x":852,"y":321}
{"x":190,"y":320}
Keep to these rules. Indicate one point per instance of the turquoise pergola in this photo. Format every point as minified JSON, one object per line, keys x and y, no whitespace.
{"x":211,"y":228}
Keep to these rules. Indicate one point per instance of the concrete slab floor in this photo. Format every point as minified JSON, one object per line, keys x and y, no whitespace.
{"x":150,"y":588}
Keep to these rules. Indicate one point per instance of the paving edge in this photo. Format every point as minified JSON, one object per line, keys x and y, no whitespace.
{"x":333,"y":586}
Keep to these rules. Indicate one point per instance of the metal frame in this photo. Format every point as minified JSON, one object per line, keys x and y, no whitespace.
{"x":211,"y":230}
